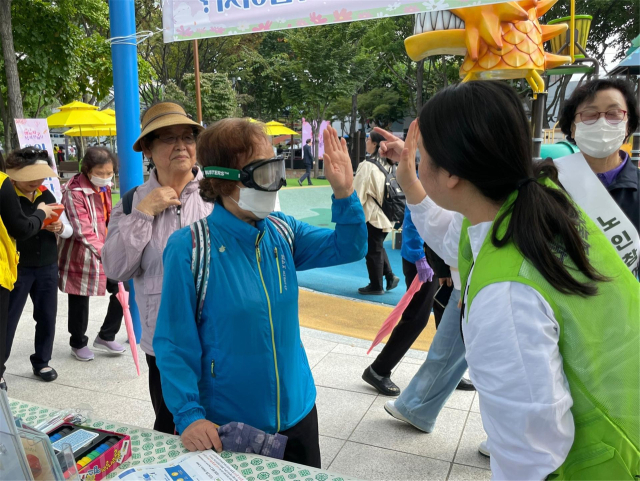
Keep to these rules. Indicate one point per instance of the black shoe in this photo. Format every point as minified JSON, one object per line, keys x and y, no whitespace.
{"x":3,"y":384}
{"x":299,"y":183}
{"x":370,"y":291}
{"x":392,"y":282}
{"x":466,"y":385}
{"x":47,"y":374}
{"x":384,"y":385}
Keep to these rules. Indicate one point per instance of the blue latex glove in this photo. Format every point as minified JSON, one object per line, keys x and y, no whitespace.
{"x":425,"y":272}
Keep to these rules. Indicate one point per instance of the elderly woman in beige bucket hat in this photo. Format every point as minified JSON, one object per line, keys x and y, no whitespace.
{"x":143,"y":220}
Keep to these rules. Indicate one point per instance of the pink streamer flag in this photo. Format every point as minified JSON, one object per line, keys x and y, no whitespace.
{"x":123,"y":297}
{"x":390,"y":323}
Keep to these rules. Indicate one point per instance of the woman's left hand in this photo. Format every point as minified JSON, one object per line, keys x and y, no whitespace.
{"x":338,"y":168}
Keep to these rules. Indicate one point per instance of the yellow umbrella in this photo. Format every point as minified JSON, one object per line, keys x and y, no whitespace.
{"x":97,"y":131}
{"x":109,"y":112}
{"x":75,"y":105}
{"x":276,"y":128}
{"x":78,"y":118}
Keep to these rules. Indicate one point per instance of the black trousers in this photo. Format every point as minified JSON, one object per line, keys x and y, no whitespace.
{"x":41,"y":284}
{"x":377,"y":261}
{"x":79,"y":317}
{"x":413,"y":321}
{"x":4,"y":318}
{"x":303,"y":445}
{"x":164,"y":418}
{"x":306,"y":175}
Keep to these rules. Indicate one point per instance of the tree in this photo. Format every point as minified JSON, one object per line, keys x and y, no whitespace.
{"x":615,"y":24}
{"x":217,"y":96}
{"x":381,"y":106}
{"x":339,"y":110}
{"x":327,"y":63}
{"x":14,"y":99}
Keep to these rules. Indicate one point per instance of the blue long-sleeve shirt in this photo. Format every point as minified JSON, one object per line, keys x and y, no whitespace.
{"x":412,"y":244}
{"x":245,"y":361}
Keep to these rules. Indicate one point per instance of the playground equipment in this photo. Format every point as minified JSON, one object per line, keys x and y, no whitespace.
{"x":505,"y":41}
{"x":499,"y":41}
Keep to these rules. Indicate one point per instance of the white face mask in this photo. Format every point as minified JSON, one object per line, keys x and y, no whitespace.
{"x":258,"y":202}
{"x":601,"y":139}
{"x":100,"y":182}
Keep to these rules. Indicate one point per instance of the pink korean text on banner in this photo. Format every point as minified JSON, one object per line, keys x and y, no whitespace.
{"x":35,"y":133}
{"x":193,"y":19}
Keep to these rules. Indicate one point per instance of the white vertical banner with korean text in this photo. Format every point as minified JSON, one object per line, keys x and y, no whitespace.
{"x":35,"y":133}
{"x":194,"y":19}
{"x":588,"y":192}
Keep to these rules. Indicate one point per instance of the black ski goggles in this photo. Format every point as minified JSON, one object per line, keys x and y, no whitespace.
{"x":268,"y":175}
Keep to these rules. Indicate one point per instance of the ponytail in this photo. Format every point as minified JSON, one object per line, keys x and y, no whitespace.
{"x":544,"y":221}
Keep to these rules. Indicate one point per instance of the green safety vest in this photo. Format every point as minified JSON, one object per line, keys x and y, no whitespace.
{"x":599,"y":342}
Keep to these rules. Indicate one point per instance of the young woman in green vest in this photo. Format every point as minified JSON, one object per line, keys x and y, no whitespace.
{"x":549,"y":310}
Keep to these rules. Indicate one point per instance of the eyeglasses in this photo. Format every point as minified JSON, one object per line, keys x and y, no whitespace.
{"x":613,"y":116}
{"x":187,"y":139}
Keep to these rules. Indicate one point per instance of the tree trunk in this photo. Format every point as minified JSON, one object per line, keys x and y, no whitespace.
{"x":445,"y":80}
{"x":354,"y":120}
{"x":419,"y":85}
{"x":4,"y":114}
{"x":14,"y":97}
{"x":315,"y":127}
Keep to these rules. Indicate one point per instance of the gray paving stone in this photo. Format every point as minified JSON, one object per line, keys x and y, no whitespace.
{"x":341,"y":371}
{"x":339,"y":412}
{"x":378,"y":428}
{"x":472,"y":436}
{"x":377,"y":464}
{"x":475,"y":405}
{"x":316,"y":343}
{"x":314,"y":357}
{"x":467,"y":473}
{"x":329,"y":449}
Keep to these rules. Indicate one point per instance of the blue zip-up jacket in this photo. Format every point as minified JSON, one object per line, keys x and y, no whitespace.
{"x":245,"y":361}
{"x":412,"y":244}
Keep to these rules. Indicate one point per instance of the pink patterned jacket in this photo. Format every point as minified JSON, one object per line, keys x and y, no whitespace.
{"x":79,"y":257}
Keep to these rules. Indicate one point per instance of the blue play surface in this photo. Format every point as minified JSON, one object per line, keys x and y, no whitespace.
{"x":313,"y":205}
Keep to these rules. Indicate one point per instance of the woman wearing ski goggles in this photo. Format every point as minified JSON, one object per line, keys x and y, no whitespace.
{"x":263,"y":178}
{"x":233,"y":352}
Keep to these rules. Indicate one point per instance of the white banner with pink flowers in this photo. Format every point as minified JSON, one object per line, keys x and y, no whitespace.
{"x":193,"y":19}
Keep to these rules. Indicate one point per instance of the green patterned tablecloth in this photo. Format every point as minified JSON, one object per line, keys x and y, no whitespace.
{"x":153,"y":447}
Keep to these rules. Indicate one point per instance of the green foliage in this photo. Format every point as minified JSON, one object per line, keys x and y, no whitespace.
{"x":381,"y":106}
{"x":218,"y":99}
{"x":615,"y":24}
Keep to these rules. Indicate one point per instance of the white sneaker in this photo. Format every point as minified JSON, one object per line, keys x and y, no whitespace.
{"x":484,"y":449}
{"x":390,"y":407}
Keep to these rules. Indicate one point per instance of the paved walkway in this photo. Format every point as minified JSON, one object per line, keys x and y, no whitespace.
{"x":357,"y":437}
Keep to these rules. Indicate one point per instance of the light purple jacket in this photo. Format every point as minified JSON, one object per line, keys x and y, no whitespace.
{"x":135,"y":243}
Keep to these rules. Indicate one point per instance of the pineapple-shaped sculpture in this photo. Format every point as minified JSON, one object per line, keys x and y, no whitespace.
{"x":499,"y":41}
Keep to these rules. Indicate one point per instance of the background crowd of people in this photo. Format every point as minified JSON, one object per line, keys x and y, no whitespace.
{"x":519,"y":277}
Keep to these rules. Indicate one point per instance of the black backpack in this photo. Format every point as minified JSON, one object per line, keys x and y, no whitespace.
{"x":394,"y":200}
{"x":127,"y":201}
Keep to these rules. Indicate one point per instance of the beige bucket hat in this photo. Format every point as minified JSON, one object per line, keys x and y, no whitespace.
{"x":37,"y":171}
{"x":164,"y":114}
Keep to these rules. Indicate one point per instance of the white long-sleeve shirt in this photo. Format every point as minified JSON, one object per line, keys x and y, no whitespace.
{"x":68,"y":230}
{"x":511,"y":340}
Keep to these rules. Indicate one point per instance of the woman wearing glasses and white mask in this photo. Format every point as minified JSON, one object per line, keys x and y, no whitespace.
{"x":145,"y":217}
{"x":599,"y":117}
{"x":228,"y":344}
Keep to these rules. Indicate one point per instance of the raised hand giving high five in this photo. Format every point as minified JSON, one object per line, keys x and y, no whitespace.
{"x":337,"y":164}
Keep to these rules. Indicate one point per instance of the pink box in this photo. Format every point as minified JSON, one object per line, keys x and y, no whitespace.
{"x":108,"y":461}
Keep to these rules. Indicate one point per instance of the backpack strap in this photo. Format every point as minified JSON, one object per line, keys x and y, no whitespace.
{"x":127,"y":201}
{"x":283,"y":229}
{"x":200,"y":261}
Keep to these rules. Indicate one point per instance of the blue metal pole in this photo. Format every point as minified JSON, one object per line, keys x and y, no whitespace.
{"x":124,"y":56}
